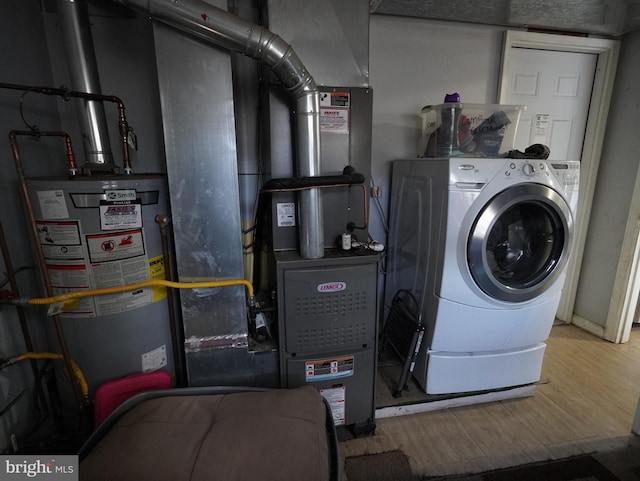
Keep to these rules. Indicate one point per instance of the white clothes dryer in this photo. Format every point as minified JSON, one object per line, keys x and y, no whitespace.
{"x":483,"y":244}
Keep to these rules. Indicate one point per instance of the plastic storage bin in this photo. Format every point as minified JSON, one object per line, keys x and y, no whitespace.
{"x":468,"y":130}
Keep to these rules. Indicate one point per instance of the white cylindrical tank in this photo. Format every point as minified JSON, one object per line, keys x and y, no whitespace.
{"x":99,"y":232}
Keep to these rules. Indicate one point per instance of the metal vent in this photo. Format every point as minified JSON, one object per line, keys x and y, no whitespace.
{"x":330,"y":305}
{"x":330,"y":337}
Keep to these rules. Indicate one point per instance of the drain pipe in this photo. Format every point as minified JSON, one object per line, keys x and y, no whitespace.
{"x":226,"y":30}
{"x":83,"y":71}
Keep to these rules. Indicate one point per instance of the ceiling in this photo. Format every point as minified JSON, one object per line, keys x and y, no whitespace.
{"x":600,"y":17}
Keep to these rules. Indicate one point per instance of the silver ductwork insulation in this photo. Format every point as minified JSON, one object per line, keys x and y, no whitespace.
{"x":83,"y":72}
{"x":224,"y":29}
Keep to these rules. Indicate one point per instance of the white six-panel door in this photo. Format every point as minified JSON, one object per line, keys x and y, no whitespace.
{"x":556,"y":89}
{"x":566,"y":84}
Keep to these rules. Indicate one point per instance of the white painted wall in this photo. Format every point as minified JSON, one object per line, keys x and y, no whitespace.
{"x":413,"y":63}
{"x":24,"y":60}
{"x":614,"y":189}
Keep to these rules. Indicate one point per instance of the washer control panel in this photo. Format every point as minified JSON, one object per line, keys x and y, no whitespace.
{"x":525,"y":168}
{"x":473,"y":173}
{"x":567,"y":173}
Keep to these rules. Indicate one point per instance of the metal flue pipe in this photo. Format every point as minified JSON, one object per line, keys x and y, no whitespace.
{"x":83,"y":71}
{"x":226,"y":30}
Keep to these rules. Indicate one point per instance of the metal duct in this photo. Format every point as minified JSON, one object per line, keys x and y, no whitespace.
{"x":83,"y":70}
{"x":234,"y":33}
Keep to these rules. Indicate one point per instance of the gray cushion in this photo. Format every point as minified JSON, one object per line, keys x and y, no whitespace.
{"x":274,"y":435}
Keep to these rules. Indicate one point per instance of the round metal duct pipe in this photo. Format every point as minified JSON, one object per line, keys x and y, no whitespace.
{"x":234,"y":33}
{"x":83,"y":71}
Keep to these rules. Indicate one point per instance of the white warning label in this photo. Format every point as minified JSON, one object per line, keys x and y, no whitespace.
{"x":334,"y":120}
{"x":155,"y":359}
{"x":286,"y":214}
{"x":336,"y":398}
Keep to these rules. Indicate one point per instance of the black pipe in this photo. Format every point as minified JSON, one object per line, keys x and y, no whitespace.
{"x":291,"y":183}
{"x":348,"y":178}
{"x":177,"y":334}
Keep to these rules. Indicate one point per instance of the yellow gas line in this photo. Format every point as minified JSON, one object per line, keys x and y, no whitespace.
{"x":52,"y":355}
{"x":71,"y":296}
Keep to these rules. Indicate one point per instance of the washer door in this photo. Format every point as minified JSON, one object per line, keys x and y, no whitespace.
{"x":518,"y":244}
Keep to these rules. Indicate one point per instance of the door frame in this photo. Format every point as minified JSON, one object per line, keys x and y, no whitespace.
{"x":607,"y":51}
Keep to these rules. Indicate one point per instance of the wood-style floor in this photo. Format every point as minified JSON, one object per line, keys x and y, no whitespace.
{"x":585,"y":402}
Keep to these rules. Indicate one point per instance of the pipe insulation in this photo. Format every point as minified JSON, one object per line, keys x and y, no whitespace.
{"x":226,"y":30}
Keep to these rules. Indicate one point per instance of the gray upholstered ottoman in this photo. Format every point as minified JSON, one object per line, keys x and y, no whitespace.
{"x":199,"y":434}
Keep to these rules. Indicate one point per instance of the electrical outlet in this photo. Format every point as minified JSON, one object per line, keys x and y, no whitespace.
{"x":376,"y":191}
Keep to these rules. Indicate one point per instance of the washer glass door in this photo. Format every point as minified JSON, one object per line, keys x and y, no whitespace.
{"x":519,"y":243}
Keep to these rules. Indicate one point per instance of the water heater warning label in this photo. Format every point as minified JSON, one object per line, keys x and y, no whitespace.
{"x":329,"y":369}
{"x":155,"y":359}
{"x":118,"y":259}
{"x":53,"y":204}
{"x":66,"y":261}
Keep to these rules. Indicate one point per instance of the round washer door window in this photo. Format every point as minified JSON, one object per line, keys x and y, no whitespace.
{"x":519,"y":242}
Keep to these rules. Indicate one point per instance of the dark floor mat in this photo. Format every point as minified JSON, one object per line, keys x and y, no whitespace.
{"x":575,"y":468}
{"x":617,"y":465}
{"x":387,"y":466}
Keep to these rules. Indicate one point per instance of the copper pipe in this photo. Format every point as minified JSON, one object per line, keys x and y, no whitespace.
{"x":71,"y":158}
{"x":64,"y":93}
{"x":39,"y":251}
{"x":72,"y":167}
{"x":124,"y":138}
{"x":13,"y":281}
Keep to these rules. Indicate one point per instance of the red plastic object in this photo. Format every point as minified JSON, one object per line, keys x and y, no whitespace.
{"x":113,"y":393}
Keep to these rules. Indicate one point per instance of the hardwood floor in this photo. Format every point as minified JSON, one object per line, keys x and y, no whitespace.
{"x":584,"y":402}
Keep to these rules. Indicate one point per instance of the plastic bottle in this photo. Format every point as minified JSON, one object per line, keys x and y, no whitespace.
{"x":449,"y":120}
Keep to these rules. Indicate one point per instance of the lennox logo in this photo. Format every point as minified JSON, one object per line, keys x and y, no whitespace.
{"x":332,"y":286}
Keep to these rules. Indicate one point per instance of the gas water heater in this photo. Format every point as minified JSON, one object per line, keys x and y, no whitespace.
{"x":98,"y":232}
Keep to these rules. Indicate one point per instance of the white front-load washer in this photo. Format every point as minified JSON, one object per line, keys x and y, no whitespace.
{"x":483,"y":245}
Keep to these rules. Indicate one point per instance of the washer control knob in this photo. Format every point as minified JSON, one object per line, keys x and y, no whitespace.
{"x":528,"y":170}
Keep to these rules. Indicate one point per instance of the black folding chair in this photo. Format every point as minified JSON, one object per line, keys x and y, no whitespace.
{"x":403,"y":330}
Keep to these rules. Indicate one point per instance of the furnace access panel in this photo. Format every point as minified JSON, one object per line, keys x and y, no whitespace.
{"x":327,"y":325}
